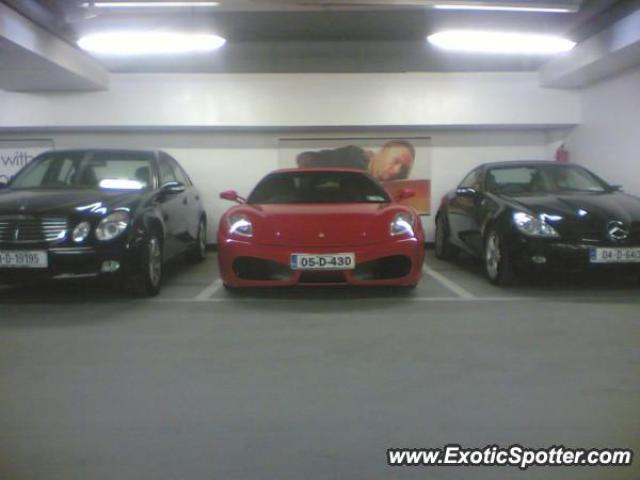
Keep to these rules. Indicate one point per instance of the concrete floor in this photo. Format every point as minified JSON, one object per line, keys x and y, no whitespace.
{"x":314,"y":383}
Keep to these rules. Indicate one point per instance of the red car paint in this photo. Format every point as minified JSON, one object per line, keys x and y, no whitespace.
{"x":280,"y":230}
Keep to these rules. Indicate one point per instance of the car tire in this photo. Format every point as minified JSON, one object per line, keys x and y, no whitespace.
{"x":498,"y":265}
{"x":148,"y":281}
{"x":198,"y":252}
{"x":229,"y":288}
{"x":444,"y":249}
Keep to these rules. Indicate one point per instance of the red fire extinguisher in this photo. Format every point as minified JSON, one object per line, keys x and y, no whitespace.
{"x":562,"y":154}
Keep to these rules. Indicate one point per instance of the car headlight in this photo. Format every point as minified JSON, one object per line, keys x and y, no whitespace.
{"x":534,"y":226}
{"x":81,"y":232}
{"x":402,"y":224}
{"x":240,"y":225}
{"x":112,"y":225}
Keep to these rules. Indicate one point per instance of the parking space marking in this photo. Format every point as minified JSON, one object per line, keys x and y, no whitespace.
{"x":449,"y":284}
{"x":410,"y":299}
{"x":206,"y":294}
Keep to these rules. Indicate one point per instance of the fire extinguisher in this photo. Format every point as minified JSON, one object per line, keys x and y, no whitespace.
{"x":562,"y":154}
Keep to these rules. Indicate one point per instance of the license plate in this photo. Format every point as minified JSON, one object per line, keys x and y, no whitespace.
{"x":23,"y":259}
{"x":334,"y":261}
{"x":615,"y":255}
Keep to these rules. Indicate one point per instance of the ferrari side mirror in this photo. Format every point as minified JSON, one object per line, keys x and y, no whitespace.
{"x":404,"y":194}
{"x":232,"y":196}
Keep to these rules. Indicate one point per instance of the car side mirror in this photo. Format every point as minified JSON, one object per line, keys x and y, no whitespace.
{"x":232,"y":196}
{"x":466,"y":192}
{"x":404,"y":194}
{"x":616,"y":188}
{"x":173,"y":188}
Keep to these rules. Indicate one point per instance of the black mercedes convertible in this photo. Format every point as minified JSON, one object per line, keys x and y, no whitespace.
{"x":90,"y":213}
{"x":543,"y":215}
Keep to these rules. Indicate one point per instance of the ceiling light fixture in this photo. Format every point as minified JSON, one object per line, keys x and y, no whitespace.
{"x":149,"y":43}
{"x":503,"y":8}
{"x":148,"y":4}
{"x":474,"y":41}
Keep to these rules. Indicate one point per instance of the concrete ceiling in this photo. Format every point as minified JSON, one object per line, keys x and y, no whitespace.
{"x":38,"y":37}
{"x":279,"y":36}
{"x":31,"y":58}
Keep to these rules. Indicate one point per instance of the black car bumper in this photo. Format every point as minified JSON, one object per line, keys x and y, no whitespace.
{"x":68,"y":262}
{"x":559,"y":255}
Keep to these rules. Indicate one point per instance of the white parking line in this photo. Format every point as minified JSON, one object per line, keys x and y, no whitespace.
{"x":450,"y":284}
{"x":408,"y":299}
{"x":206,"y":294}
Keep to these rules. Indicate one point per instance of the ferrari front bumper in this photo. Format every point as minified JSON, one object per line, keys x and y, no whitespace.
{"x":393,"y":263}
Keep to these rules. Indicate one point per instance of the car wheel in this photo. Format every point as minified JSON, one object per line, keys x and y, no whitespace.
{"x":230,"y":288}
{"x":444,"y":249}
{"x":147,"y":282}
{"x":199,"y":251}
{"x":497,"y":263}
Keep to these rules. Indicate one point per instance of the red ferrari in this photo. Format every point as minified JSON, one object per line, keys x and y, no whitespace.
{"x":319,"y":227}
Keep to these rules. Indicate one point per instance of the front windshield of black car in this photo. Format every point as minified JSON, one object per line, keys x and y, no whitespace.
{"x":94,"y":170}
{"x":318,"y":187}
{"x":540,"y":179}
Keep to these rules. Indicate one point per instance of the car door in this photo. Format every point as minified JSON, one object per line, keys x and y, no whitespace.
{"x":172,"y":206}
{"x":192,"y":203}
{"x":465,"y":213}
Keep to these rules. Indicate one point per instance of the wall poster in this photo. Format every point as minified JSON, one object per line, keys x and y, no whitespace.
{"x":398,"y":162}
{"x":15,"y":154}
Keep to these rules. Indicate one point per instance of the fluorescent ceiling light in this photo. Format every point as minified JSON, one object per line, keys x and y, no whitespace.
{"x":475,"y":41}
{"x":148,"y":4}
{"x":149,"y":43}
{"x":502,"y":8}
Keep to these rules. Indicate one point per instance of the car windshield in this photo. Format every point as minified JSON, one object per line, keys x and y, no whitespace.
{"x":318,"y":187}
{"x":528,"y":180}
{"x":99,"y":170}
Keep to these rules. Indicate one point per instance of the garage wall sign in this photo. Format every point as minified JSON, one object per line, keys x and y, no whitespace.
{"x":398,"y":162}
{"x":15,"y":154}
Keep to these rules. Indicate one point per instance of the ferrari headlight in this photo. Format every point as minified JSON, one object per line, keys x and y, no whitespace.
{"x":402,"y":224}
{"x":534,"y":226}
{"x":112,"y":226}
{"x":240,"y":225}
{"x":81,"y":232}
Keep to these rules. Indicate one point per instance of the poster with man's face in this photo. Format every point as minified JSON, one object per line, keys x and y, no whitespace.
{"x":402,"y":165}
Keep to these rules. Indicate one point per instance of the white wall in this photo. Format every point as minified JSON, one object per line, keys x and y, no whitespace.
{"x":221,"y":161}
{"x":608,"y":139}
{"x":224,"y":128}
{"x":299,"y":100}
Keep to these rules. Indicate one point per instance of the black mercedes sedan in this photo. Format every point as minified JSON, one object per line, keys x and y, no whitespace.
{"x":543,"y":215}
{"x":91,"y":213}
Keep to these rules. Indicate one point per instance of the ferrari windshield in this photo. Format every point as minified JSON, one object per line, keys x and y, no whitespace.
{"x":100,"y":170}
{"x":318,"y":187}
{"x":536,"y":179}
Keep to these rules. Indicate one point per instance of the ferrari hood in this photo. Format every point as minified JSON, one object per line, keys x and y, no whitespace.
{"x":322,"y":225}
